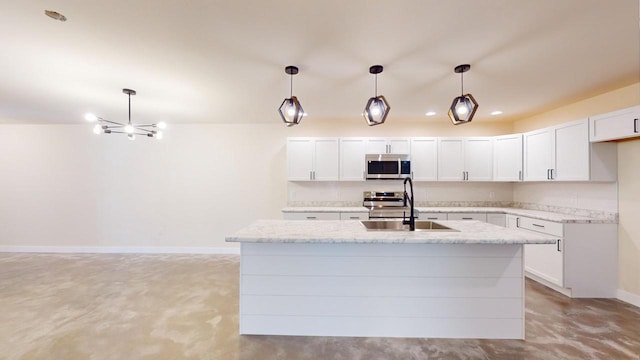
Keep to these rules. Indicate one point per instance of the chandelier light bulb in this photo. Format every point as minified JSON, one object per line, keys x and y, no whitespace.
{"x":128,"y":129}
{"x":162,"y":125}
{"x":461,"y":109}
{"x":97,"y":129}
{"x":291,"y":111}
{"x":90,"y":117}
{"x":375,"y":110}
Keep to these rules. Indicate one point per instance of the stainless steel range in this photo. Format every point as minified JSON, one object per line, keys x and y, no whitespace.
{"x":385,"y":204}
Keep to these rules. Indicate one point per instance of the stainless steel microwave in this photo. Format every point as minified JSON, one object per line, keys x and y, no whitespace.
{"x":387,"y":166}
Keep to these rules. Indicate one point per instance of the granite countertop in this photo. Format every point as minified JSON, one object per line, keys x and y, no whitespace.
{"x":348,"y":231}
{"x":536,"y":214}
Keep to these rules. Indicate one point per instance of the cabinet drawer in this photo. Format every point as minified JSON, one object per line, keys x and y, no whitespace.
{"x":542,"y":226}
{"x":354,"y":216}
{"x":432,"y":216}
{"x":312,"y":216}
{"x":467,"y":216}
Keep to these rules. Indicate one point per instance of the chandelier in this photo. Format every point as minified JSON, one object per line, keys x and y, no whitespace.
{"x":112,"y":127}
{"x":377,"y":108}
{"x":464,"y":106}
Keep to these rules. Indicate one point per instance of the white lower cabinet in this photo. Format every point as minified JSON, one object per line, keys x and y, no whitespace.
{"x":583,"y":261}
{"x":432,"y":216}
{"x":497,"y":219}
{"x":311,"y":216}
{"x":354,"y":216}
{"x":467,"y":216}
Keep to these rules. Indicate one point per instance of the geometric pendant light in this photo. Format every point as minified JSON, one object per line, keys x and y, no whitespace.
{"x":112,"y":127}
{"x":377,"y":108}
{"x":290,"y":110}
{"x":464,"y":106}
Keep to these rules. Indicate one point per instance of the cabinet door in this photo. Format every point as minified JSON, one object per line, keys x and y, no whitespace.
{"x":300,"y":159}
{"x":352,"y":151}
{"x":424,"y":159}
{"x":571,"y":142}
{"x":497,"y":219}
{"x":545,"y":261}
{"x":512,"y":221}
{"x":538,"y":150}
{"x":507,"y":158}
{"x":619,"y":124}
{"x":450,"y":159}
{"x":325,"y":164}
{"x":399,"y":146}
{"x":376,"y":146}
{"x":478,"y":159}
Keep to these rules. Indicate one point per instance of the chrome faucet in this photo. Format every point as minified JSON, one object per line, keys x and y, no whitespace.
{"x":412,"y":219}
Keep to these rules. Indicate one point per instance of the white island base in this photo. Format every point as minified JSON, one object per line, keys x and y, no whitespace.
{"x":382,"y":290}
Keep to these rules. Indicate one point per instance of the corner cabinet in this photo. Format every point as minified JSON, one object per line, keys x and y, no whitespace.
{"x":312,"y":159}
{"x":564,"y":153}
{"x":621,"y":124}
{"x":465,"y":159}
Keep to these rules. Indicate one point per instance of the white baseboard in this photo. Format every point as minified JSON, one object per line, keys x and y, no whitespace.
{"x":120,"y":249}
{"x":628,"y":297}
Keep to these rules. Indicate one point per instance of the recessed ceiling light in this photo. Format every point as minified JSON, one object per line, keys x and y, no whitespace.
{"x":55,"y":15}
{"x":497,"y":112}
{"x":430,"y":113}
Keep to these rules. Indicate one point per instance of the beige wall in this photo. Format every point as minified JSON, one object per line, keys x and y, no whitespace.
{"x":628,"y":174}
{"x":61,"y":185}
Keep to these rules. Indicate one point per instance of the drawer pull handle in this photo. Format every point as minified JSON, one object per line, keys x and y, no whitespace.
{"x":432,"y":218}
{"x":354,"y":217}
{"x":517,"y":222}
{"x":559,"y":245}
{"x":542,"y":226}
{"x":312,"y":217}
{"x":635,"y":126}
{"x":466,"y":218}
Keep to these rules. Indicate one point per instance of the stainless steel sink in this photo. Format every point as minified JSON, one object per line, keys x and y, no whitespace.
{"x":396,"y":225}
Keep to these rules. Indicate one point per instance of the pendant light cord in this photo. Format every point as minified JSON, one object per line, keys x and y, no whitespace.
{"x":291,"y":86}
{"x":462,"y":84}
{"x":376,"y":86}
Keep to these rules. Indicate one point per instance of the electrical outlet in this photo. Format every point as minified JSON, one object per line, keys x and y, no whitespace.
{"x":492,"y":194}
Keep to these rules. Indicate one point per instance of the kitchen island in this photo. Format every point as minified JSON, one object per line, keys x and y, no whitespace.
{"x":335,"y":278}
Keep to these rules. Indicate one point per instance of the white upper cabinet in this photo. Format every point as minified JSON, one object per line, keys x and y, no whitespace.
{"x":352,"y":153}
{"x":388,"y":146}
{"x":507,"y":158}
{"x":571,"y":144}
{"x":619,"y":124}
{"x":465,"y":159}
{"x":538,"y":155}
{"x":312,"y":159}
{"x":563,"y":153}
{"x":424,"y":158}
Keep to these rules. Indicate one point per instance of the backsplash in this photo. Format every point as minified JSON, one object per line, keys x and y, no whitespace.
{"x":596,"y":200}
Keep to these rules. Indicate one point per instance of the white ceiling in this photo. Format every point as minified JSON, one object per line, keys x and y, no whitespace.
{"x":198,"y":61}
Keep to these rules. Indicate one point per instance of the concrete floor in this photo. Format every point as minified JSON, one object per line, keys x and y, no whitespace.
{"x":125,"y":306}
